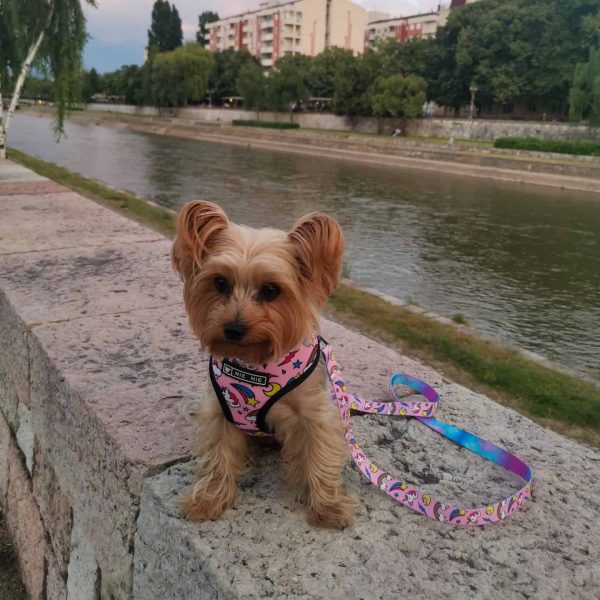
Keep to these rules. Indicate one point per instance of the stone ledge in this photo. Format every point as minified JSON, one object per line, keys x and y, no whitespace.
{"x":96,"y":359}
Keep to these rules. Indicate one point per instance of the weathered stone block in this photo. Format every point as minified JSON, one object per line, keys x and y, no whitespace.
{"x":14,"y":354}
{"x":25,"y":435}
{"x":68,"y":221}
{"x":56,"y":584}
{"x":55,"y":508}
{"x":84,"y":576}
{"x":25,"y":525}
{"x":9,"y":403}
{"x":5,"y":442}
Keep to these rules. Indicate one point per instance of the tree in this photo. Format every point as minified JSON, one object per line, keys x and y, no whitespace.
{"x":253,"y":86}
{"x":584,"y":97}
{"x":181,"y":76}
{"x":50,"y":32}
{"x":223,"y":79}
{"x":91,"y":85}
{"x":320,"y":78}
{"x":165,"y":32}
{"x":514,"y":50}
{"x":398,"y":96}
{"x":352,"y":81}
{"x":287,"y":84}
{"x":206,"y":17}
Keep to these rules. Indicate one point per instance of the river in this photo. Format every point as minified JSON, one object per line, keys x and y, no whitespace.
{"x":519,"y":262}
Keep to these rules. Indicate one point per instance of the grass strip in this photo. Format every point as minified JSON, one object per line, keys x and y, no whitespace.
{"x":557,"y":400}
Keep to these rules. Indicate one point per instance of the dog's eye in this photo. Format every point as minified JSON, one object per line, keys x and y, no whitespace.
{"x":221,"y":285}
{"x":268,"y":292}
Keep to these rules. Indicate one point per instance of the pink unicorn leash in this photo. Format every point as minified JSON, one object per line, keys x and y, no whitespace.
{"x":424,"y":410}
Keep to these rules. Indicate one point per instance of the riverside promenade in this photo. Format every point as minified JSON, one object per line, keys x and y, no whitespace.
{"x":97,"y":365}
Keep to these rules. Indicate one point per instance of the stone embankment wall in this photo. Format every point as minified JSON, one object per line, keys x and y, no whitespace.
{"x":460,"y":129}
{"x":97,"y":364}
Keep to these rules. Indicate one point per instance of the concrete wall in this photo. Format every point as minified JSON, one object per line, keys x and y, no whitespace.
{"x":464,"y":129}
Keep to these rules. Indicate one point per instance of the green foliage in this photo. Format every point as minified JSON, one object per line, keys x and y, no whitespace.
{"x":165,"y":32}
{"x":38,"y":87}
{"x":398,"y":96}
{"x":584,"y":97}
{"x":206,"y":17}
{"x":223,"y":79}
{"x":321,"y":75}
{"x":520,"y":51}
{"x":181,"y":76}
{"x":353,"y":79}
{"x":287,"y":83}
{"x":583,"y":148}
{"x":265,"y":124}
{"x":253,"y":86}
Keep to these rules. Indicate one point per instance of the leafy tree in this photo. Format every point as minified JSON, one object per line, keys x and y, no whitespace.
{"x":165,"y":32}
{"x":91,"y":85}
{"x":181,"y":76}
{"x":320,"y":78}
{"x":288,"y":82}
{"x":223,"y":79}
{"x":352,"y":81}
{"x":514,"y":50}
{"x":253,"y":86}
{"x":584,"y":98}
{"x":50,"y":32}
{"x":38,"y":87}
{"x":398,"y":96}
{"x":206,"y":17}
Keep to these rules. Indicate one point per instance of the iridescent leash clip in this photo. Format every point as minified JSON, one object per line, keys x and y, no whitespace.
{"x":424,"y":410}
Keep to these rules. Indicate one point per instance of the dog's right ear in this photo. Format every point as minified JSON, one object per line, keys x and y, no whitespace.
{"x":197,"y":224}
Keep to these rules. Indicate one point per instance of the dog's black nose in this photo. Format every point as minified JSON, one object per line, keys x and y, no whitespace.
{"x":234,"y":331}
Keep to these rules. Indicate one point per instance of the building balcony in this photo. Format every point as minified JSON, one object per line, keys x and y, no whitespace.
{"x":266,"y":61}
{"x":267,"y":36}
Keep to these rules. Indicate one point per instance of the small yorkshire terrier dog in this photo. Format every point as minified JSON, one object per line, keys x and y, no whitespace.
{"x":253,"y":298}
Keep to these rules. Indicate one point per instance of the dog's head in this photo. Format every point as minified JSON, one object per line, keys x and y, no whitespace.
{"x":254,"y":294}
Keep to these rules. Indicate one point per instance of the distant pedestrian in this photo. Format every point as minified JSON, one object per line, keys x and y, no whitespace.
{"x":451,"y":143}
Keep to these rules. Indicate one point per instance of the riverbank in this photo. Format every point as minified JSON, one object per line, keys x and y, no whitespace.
{"x":467,"y":158}
{"x":557,"y":399}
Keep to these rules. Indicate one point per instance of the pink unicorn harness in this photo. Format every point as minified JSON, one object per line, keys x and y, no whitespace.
{"x":246,"y":395}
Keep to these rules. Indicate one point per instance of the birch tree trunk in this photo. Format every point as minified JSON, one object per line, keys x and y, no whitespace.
{"x":4,"y":123}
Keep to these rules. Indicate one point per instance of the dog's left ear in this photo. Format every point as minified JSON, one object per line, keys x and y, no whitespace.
{"x":319,"y":244}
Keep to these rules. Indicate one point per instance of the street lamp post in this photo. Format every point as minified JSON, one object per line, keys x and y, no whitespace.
{"x":473,"y":89}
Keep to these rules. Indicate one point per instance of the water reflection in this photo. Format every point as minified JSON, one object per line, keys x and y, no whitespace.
{"x":520,"y":262}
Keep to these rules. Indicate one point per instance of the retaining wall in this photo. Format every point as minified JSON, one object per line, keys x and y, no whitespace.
{"x":464,"y":129}
{"x":96,"y":363}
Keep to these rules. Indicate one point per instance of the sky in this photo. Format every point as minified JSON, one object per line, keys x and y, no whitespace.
{"x":118,"y":29}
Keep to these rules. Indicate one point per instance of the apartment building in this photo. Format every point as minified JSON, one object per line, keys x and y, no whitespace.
{"x":402,"y":28}
{"x":283,"y":28}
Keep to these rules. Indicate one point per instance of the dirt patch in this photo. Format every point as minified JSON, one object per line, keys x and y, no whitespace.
{"x":11,"y":586}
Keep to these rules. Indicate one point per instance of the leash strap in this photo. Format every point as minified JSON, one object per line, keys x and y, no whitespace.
{"x":424,"y":410}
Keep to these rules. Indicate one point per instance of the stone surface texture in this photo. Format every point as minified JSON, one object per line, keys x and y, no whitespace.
{"x":97,"y":367}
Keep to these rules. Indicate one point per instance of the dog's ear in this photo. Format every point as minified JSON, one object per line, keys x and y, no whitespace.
{"x":319,"y":244}
{"x":197,"y":224}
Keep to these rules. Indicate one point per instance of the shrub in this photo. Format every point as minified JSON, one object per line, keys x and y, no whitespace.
{"x":585,"y":147}
{"x":269,"y":124}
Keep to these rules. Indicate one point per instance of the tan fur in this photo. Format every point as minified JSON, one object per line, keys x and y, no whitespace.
{"x":304,"y":264}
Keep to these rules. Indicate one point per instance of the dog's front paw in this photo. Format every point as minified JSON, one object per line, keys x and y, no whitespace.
{"x":203,"y":509}
{"x":337,"y":515}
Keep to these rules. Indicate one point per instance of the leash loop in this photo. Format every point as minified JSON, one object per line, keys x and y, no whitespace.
{"x":424,"y":410}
